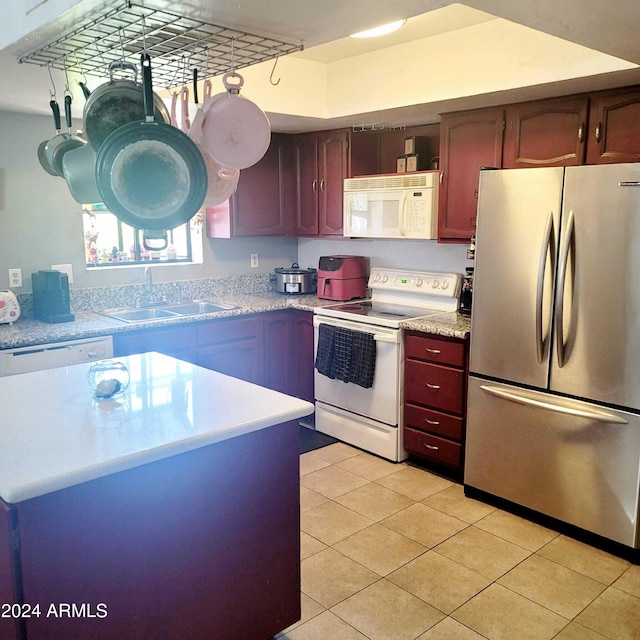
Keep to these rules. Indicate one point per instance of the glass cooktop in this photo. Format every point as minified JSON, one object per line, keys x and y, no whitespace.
{"x":369,"y":310}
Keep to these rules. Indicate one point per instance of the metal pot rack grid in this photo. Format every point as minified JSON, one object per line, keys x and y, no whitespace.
{"x":177,"y":44}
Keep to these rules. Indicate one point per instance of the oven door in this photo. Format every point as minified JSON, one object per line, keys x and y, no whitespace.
{"x":381,"y":401}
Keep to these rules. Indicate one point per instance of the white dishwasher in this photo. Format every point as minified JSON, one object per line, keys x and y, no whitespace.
{"x":55,"y":354}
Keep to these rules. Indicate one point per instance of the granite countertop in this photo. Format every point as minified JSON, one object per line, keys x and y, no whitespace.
{"x":89,"y":324}
{"x":452,"y":325}
{"x":170,"y":407}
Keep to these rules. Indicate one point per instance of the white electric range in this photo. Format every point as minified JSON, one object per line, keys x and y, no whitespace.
{"x":370,"y":417}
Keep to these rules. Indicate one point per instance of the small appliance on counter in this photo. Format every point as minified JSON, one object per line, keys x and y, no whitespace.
{"x":342,"y":277}
{"x":293,"y":279}
{"x":9,"y":307}
{"x":51,"y":296}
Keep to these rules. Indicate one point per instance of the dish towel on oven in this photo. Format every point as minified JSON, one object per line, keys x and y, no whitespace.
{"x":347,"y":355}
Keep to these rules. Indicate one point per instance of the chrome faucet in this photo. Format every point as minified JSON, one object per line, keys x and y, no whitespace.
{"x":148,"y":285}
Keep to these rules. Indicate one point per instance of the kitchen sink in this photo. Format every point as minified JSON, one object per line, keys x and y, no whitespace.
{"x":196,"y":307}
{"x":174,"y":310}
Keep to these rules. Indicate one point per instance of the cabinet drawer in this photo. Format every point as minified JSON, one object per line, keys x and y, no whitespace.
{"x":434,"y":386}
{"x":435,"y":350}
{"x":425,"y":445}
{"x":433,"y":421}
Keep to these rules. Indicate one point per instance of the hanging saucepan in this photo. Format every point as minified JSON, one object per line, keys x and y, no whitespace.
{"x":235,"y":131}
{"x":117,"y":102}
{"x":55,"y":149}
{"x":222,"y":181}
{"x":42,"y":156}
{"x":79,"y":168}
{"x":150,"y":174}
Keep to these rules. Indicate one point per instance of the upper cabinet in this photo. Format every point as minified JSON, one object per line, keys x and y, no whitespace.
{"x":468,"y":141}
{"x":322,"y":160}
{"x":546,"y":133}
{"x":263,"y":202}
{"x":614,"y":127}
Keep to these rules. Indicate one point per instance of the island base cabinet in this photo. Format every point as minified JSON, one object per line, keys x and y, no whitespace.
{"x":201,"y":545}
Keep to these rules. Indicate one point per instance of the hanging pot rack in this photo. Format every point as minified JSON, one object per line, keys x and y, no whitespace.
{"x":176,"y":43}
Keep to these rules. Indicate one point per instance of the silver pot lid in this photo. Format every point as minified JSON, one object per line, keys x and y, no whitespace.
{"x":294,"y":269}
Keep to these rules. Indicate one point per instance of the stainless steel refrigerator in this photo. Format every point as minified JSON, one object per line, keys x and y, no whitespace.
{"x":553,"y":419}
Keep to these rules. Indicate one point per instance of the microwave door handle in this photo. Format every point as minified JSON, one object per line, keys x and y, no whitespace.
{"x":403,"y":214}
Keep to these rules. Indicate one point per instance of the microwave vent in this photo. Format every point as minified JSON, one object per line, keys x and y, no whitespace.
{"x":371,"y":183}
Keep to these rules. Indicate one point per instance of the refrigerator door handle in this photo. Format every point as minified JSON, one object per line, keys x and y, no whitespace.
{"x":600,"y":416}
{"x":562,"y":275}
{"x":546,"y":249}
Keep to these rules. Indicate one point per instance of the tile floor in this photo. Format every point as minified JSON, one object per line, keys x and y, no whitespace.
{"x":393,"y":552}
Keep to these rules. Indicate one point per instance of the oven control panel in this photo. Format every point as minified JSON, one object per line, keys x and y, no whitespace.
{"x":432,"y":283}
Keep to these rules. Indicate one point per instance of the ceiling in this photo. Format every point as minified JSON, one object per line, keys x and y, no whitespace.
{"x":323,"y":27}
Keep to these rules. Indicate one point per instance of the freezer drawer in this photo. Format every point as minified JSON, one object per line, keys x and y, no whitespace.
{"x":575,"y":461}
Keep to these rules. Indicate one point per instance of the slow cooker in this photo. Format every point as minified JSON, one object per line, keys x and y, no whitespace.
{"x":293,"y":279}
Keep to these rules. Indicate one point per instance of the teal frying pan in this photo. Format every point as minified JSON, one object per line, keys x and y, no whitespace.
{"x":150,"y":174}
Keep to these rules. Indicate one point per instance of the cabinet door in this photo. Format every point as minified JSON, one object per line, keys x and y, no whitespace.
{"x":288,"y":353}
{"x":301,"y":363}
{"x":468,"y":141}
{"x":278,"y":340}
{"x":305,"y":157}
{"x":332,"y":170}
{"x":546,"y":133}
{"x":262,"y":203}
{"x":614,"y":135}
{"x":233,"y":347}
{"x":179,"y":342}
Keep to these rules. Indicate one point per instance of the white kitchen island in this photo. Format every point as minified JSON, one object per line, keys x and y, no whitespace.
{"x":169,"y":513}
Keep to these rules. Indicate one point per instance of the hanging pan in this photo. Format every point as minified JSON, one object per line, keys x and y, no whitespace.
{"x":117,"y":102}
{"x":222,"y":181}
{"x":42,"y":156}
{"x":55,"y":149}
{"x":235,"y":131}
{"x":150,"y":174}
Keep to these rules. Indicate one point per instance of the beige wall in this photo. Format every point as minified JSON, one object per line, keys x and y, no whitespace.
{"x":41,"y":225}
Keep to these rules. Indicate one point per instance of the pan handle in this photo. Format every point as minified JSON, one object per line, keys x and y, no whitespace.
{"x":67,"y":112}
{"x":56,"y":114}
{"x":158,"y":238}
{"x":147,"y":87}
{"x":125,"y":66}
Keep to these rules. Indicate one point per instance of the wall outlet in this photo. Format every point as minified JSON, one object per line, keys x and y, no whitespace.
{"x":65,"y":268}
{"x":254,"y":260}
{"x":15,"y":278}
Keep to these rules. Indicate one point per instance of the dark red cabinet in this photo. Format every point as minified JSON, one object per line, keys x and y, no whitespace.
{"x":468,"y":142}
{"x":435,"y":398}
{"x":204,"y":544}
{"x":614,"y":134}
{"x":288,"y":353}
{"x":546,"y":133}
{"x":234,"y":347}
{"x":263,"y":202}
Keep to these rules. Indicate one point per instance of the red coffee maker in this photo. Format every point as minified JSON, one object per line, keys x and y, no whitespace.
{"x":342,"y":277}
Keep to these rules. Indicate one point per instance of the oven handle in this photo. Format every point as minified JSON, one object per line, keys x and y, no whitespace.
{"x":392,"y":336}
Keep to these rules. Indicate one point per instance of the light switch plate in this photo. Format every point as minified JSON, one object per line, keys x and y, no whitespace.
{"x":65,"y":268}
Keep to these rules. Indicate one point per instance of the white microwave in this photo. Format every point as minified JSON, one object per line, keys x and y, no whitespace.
{"x":392,"y":206}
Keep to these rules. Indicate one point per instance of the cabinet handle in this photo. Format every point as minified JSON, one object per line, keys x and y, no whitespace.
{"x":436,"y":351}
{"x":322,"y":185}
{"x":581,"y":133}
{"x":598,"y":131}
{"x":441,"y":178}
{"x":432,"y":386}
{"x":434,"y":422}
{"x":314,"y":186}
{"x":432,"y":446}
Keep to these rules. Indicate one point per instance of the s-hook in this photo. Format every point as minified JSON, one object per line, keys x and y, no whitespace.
{"x":277,"y":82}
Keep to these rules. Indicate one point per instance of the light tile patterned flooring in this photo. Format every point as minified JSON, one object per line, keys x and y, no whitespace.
{"x":394,"y":552}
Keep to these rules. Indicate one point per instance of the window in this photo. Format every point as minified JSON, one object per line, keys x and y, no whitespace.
{"x":109,"y":242}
